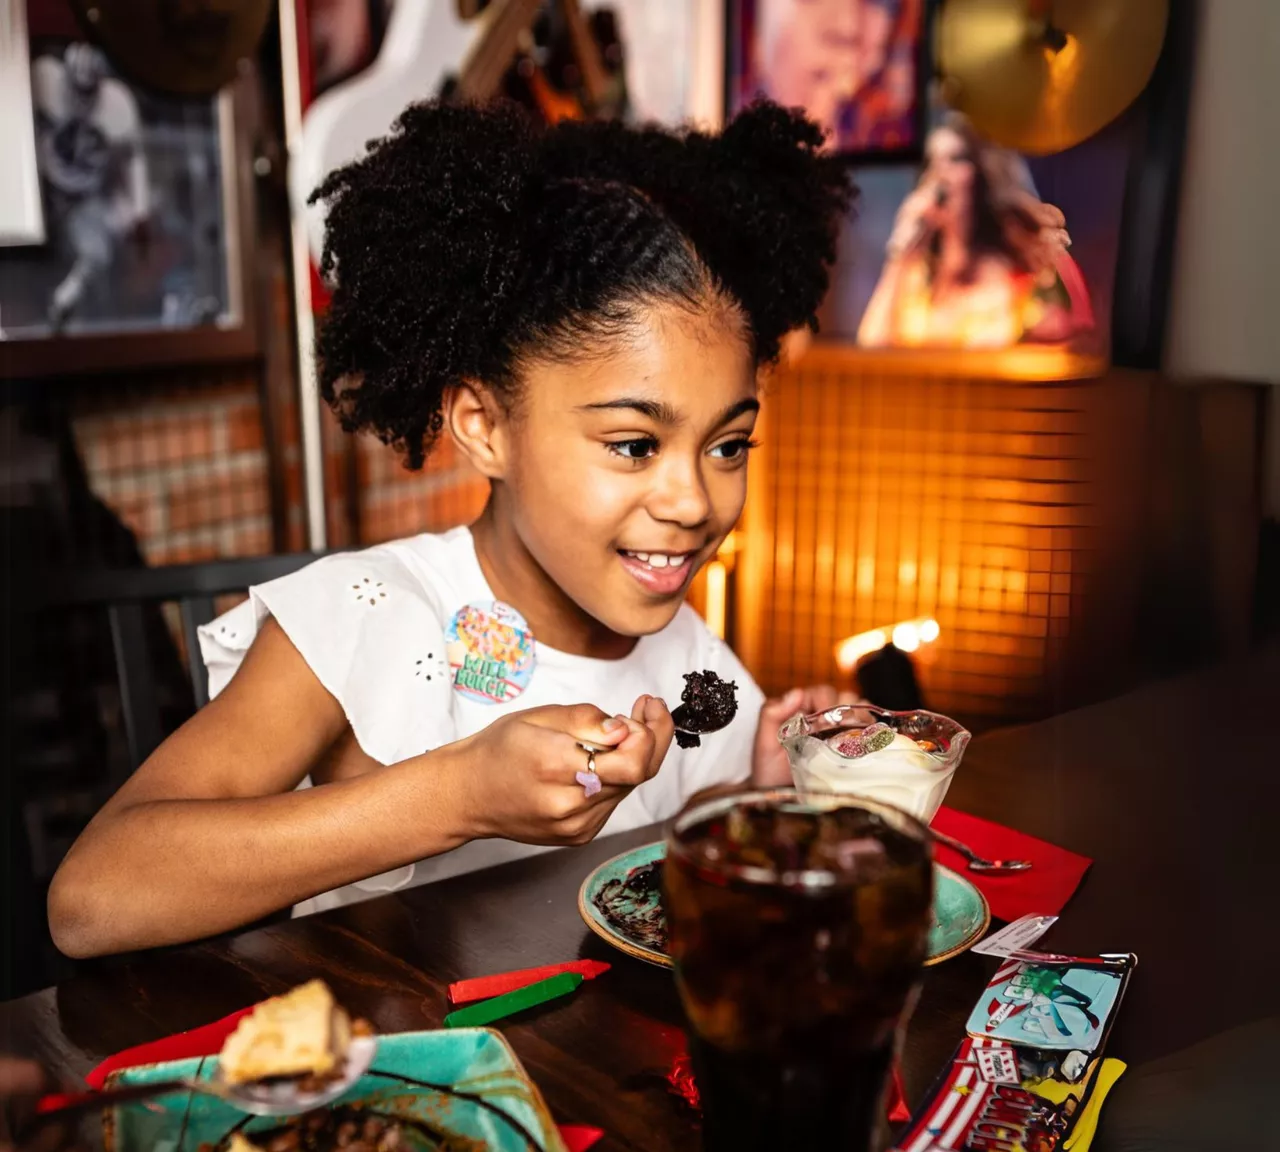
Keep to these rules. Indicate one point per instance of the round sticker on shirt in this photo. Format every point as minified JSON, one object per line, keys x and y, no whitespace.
{"x":491,"y":652}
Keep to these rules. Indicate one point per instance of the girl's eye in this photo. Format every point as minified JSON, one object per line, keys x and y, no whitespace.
{"x":734,"y":449}
{"x":639,"y":449}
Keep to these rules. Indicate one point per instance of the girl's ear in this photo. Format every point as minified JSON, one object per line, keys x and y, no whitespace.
{"x":477,"y":423}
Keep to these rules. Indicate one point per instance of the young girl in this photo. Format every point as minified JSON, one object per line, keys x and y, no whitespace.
{"x":583,"y":310}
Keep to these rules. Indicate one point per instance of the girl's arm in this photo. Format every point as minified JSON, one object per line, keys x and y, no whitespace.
{"x":209,"y":833}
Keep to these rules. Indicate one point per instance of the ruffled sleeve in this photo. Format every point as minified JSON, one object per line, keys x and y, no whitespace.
{"x":371,"y":632}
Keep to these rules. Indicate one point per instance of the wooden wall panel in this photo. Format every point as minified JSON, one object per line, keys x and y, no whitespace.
{"x":891,"y":489}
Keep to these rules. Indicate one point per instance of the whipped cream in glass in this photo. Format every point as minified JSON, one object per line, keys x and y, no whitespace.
{"x":902,"y":758}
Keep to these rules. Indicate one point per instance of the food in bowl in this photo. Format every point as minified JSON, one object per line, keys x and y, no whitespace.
{"x":327,"y":1130}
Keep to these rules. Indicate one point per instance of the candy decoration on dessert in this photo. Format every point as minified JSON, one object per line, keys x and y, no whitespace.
{"x":491,"y":651}
{"x":707,"y":704}
{"x":873,"y":738}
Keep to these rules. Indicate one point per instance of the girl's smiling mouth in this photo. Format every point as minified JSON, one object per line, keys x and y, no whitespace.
{"x":661,"y":573}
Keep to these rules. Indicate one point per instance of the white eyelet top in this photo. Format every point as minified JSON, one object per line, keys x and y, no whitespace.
{"x":372,"y":627}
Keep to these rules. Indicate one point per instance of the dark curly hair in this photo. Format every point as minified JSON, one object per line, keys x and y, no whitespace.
{"x":470,"y":239}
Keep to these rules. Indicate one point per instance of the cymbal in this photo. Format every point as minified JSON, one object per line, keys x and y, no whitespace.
{"x":1041,"y":75}
{"x":180,"y":47}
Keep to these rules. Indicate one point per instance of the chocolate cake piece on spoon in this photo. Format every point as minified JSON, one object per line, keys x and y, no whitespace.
{"x":707,"y":704}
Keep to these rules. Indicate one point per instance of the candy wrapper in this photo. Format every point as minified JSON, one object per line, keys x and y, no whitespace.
{"x":1058,"y":1003}
{"x":1044,"y":1092}
{"x":994,"y":1098}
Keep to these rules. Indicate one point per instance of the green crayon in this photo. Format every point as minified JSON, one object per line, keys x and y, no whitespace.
{"x":509,"y":1003}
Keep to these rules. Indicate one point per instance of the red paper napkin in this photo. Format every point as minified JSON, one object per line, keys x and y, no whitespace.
{"x":207,"y":1041}
{"x":578,"y":1137}
{"x":1045,"y":888}
{"x":204,"y":1041}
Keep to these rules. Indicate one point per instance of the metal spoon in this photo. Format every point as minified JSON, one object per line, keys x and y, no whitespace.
{"x":979,"y":863}
{"x":597,"y":749}
{"x":281,"y":1097}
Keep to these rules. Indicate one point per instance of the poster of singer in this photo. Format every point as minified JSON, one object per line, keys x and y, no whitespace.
{"x":978,"y":247}
{"x":137,"y":201}
{"x":853,"y":65}
{"x":975,"y":258}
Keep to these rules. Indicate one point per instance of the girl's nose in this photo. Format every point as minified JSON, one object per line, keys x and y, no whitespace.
{"x":679,"y":495}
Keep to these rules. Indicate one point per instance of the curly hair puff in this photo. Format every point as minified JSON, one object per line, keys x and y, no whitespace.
{"x":470,"y":239}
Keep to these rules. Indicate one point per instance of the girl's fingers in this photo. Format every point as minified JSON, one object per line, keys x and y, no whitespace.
{"x":820,"y":698}
{"x":782,"y":708}
{"x":628,"y":763}
{"x":655,"y":716}
{"x":583,"y":722}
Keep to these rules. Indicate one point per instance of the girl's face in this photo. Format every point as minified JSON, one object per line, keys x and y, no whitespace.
{"x":621,"y":475}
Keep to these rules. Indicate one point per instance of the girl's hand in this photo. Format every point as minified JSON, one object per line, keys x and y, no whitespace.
{"x":517,"y":776}
{"x":770,"y":767}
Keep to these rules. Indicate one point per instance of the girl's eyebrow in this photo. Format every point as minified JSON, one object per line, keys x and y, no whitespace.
{"x":656,"y":410}
{"x":661,"y":412}
{"x":741,"y":408}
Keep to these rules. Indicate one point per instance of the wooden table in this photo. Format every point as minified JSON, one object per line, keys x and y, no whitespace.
{"x":1171,"y":790}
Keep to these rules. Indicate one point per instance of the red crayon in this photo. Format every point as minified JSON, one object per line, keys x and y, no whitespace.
{"x":483,"y":987}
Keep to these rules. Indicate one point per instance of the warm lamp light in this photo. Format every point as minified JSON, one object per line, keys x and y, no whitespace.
{"x":716,"y":588}
{"x":849,"y":651}
{"x":906,"y":635}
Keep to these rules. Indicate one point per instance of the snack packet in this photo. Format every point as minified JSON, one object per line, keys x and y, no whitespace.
{"x":1030,"y":1076}
{"x":1060,"y":1003}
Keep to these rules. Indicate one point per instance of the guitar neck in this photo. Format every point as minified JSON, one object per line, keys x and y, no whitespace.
{"x":595,"y":84}
{"x":483,"y":72}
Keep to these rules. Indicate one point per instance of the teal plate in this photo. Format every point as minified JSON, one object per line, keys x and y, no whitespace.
{"x":507,"y":1113}
{"x":629,"y":887}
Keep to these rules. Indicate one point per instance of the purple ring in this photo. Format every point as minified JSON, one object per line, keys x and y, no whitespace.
{"x":589,"y":780}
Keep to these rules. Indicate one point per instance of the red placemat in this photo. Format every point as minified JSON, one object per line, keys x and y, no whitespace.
{"x":207,"y":1041}
{"x":203,"y":1041}
{"x":1044,"y":888}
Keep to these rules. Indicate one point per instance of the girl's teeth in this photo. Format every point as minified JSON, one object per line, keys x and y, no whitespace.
{"x":659,"y":559}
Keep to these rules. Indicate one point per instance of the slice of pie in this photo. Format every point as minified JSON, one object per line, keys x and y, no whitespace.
{"x":238,"y":1143}
{"x":302,"y":1033}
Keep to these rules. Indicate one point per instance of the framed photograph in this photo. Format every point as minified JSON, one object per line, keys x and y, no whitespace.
{"x":147,"y":204}
{"x":982,"y":248}
{"x":855,"y":66}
